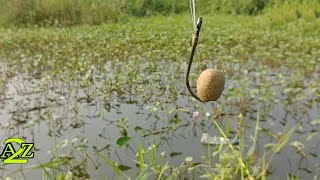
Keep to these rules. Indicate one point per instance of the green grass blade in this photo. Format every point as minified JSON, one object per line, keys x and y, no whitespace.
{"x":143,"y":174}
{"x":56,"y":164}
{"x":252,"y":149}
{"x":141,"y":159}
{"x":164,"y":168}
{"x":284,"y":140}
{"x":112,"y":164}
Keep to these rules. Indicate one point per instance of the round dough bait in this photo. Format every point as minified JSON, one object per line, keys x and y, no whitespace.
{"x":210,"y":85}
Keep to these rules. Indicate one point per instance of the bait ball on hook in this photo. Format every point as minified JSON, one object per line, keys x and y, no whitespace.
{"x":210,"y":85}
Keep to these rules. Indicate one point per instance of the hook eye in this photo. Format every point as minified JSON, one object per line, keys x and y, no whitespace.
{"x":199,"y":22}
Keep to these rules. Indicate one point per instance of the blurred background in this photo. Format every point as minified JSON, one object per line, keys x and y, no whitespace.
{"x":93,"y":12}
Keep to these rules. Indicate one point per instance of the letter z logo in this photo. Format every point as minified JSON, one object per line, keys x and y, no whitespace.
{"x":21,"y":156}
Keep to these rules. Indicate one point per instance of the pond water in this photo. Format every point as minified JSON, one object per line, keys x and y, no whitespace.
{"x":80,"y":117}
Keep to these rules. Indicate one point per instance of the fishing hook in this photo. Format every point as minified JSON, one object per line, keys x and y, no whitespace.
{"x":194,"y":45}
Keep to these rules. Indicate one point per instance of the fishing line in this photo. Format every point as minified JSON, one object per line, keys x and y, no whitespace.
{"x":193,"y":14}
{"x":193,"y":18}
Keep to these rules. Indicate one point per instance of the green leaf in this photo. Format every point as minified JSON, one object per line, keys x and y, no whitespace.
{"x":175,"y":120}
{"x":60,"y":177}
{"x":195,"y":164}
{"x":124,"y":131}
{"x":63,"y":176}
{"x":310,"y":136}
{"x":269,"y":146}
{"x":315,"y":122}
{"x":297,"y":144}
{"x":138,"y":129}
{"x":188,"y":159}
{"x":175,"y":154}
{"x":123,"y":141}
{"x":124,"y":167}
{"x":205,"y":176}
{"x":69,"y":175}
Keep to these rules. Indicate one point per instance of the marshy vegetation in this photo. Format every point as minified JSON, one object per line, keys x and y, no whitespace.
{"x":109,"y":101}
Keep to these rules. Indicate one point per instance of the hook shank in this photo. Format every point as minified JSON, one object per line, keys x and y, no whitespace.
{"x":194,"y":45}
